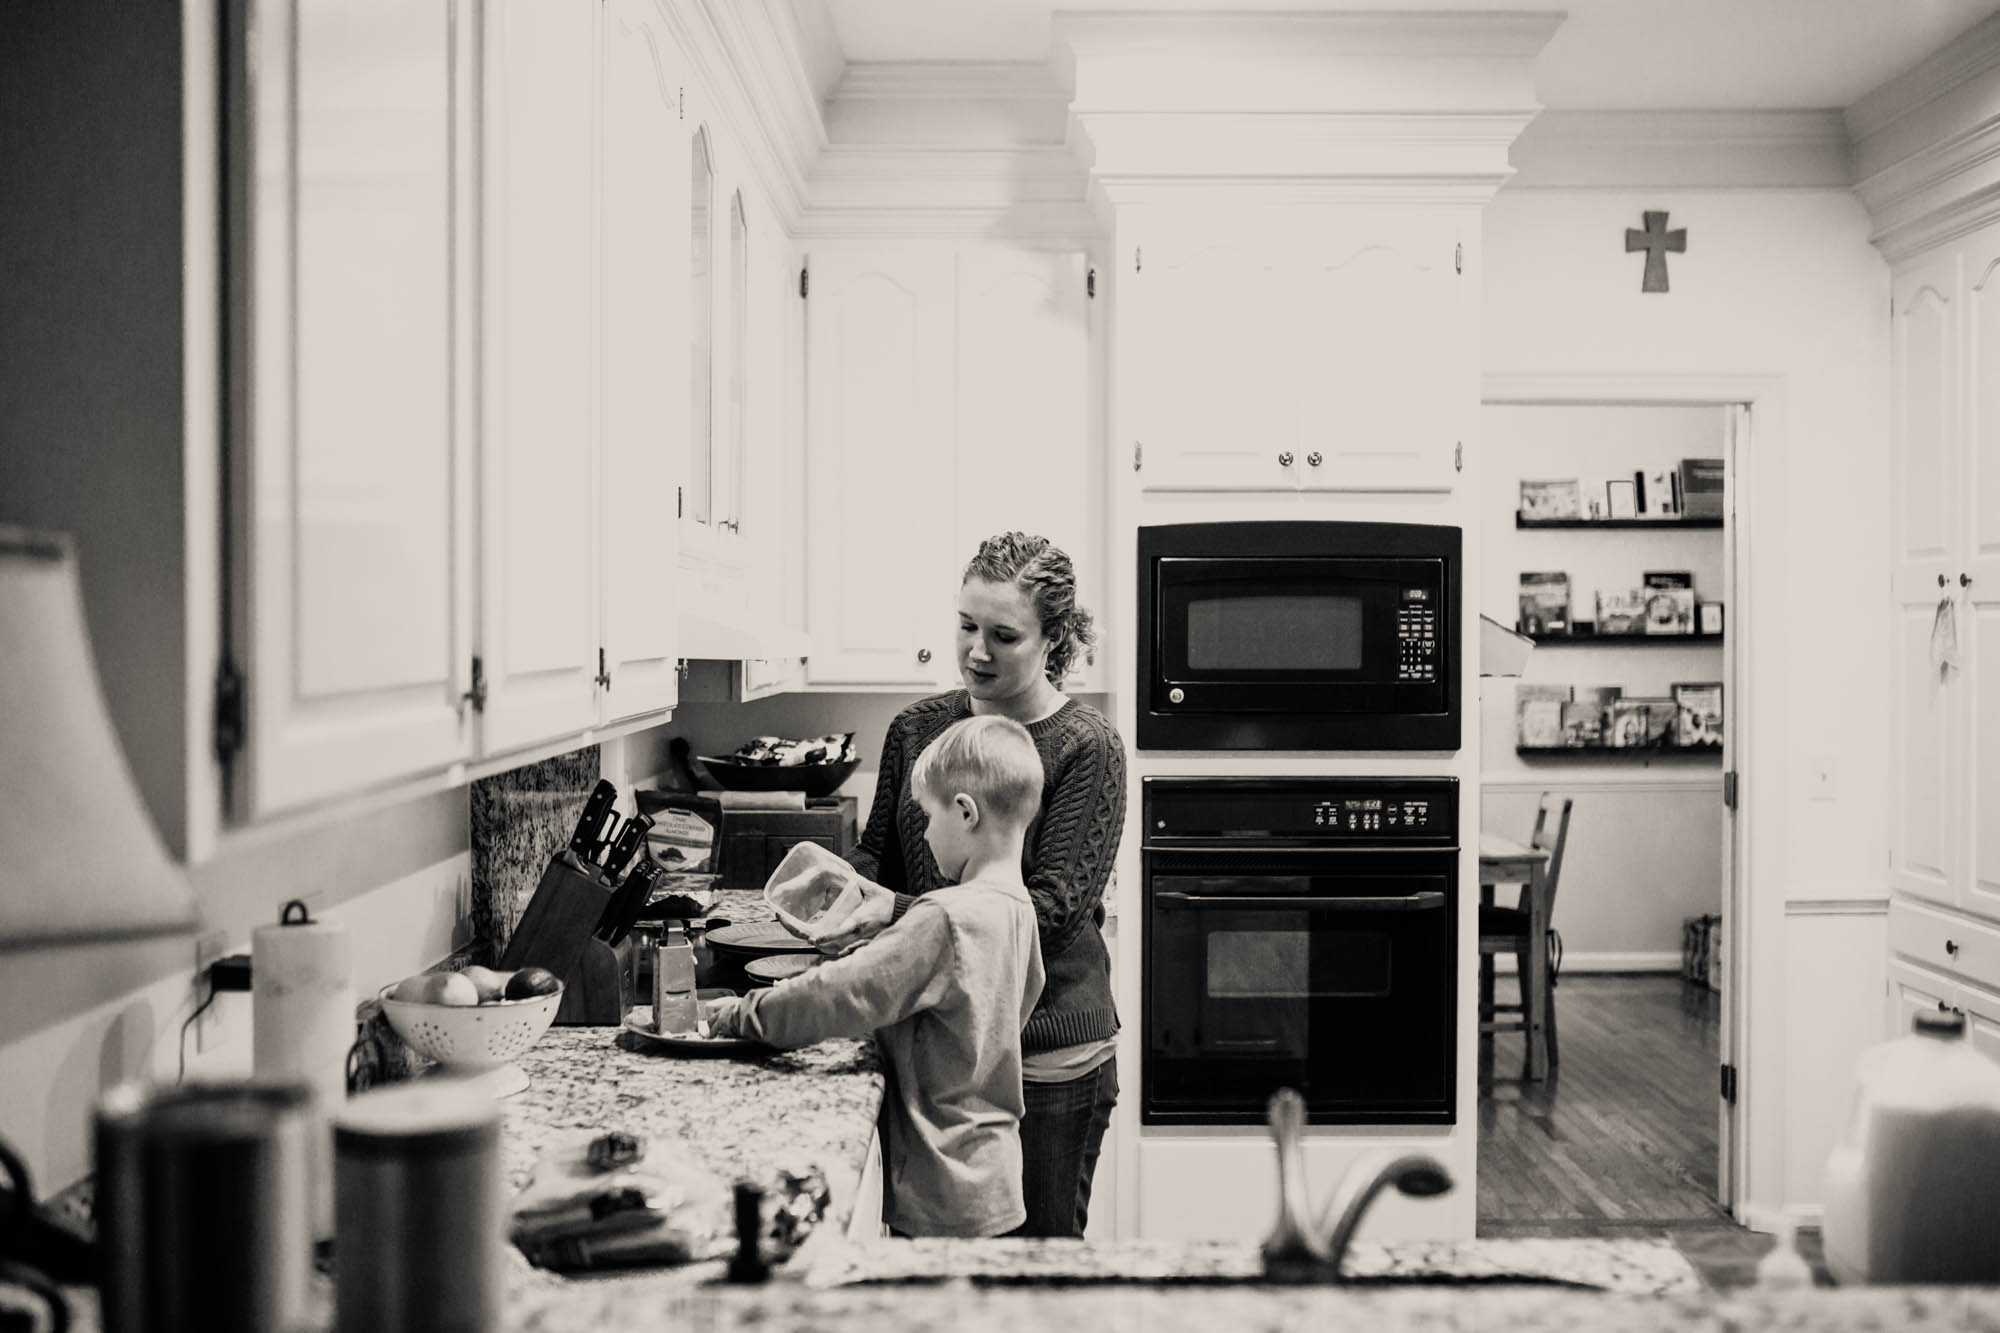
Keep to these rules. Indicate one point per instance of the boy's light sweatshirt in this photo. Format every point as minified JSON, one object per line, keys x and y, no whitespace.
{"x":946,"y":990}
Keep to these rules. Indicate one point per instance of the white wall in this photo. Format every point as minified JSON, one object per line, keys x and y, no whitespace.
{"x":1781,"y":284}
{"x":75,"y":1021}
{"x":1645,"y":839}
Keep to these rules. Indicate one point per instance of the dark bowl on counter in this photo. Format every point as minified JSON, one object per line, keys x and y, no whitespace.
{"x":812,"y":779}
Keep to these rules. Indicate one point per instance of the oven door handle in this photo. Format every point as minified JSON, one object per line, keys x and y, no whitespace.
{"x":1427,"y":900}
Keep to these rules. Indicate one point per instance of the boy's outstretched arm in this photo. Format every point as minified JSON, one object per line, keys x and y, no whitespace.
{"x":904,"y":970}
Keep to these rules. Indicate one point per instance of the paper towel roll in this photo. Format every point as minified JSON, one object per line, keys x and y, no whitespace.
{"x":302,"y":1024}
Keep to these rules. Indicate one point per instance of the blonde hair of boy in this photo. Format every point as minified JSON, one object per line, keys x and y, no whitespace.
{"x":990,"y":758}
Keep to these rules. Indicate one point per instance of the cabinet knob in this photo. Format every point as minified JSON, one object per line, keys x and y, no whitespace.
{"x":1313,"y":459}
{"x":1951,"y":946}
{"x":1942,"y":580}
{"x":1285,"y":458}
{"x":1965,"y":580}
{"x":923,"y":655}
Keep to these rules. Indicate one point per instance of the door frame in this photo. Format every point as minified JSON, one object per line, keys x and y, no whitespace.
{"x":1752,"y":1006}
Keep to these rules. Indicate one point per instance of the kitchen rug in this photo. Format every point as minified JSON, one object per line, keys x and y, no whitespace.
{"x":1628,"y":1267}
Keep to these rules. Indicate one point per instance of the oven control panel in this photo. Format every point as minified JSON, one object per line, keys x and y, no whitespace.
{"x":1301,"y":810}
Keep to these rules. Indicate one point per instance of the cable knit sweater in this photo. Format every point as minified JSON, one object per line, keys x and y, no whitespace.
{"x":1066,"y":860}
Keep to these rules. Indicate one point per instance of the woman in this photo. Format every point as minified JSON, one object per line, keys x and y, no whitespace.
{"x":1019,"y":629}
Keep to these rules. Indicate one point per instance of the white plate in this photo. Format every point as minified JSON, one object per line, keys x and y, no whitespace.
{"x":640,"y":1024}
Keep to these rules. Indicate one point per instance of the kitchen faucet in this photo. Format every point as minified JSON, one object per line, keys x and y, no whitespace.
{"x":1295,"y":1252}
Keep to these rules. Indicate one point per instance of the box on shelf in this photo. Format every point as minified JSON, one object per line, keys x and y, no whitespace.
{"x":1698,"y":714}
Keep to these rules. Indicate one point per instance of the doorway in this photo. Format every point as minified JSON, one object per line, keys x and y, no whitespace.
{"x":1639,"y":610}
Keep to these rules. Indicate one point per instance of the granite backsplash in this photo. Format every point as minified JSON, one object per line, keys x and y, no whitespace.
{"x":520,"y":819}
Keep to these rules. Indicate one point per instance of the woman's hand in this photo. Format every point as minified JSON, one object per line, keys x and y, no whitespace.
{"x":864,"y":923}
{"x":719,"y":1016}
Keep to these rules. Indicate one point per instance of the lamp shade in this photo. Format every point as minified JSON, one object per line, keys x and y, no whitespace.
{"x":1502,"y":652}
{"x":80,"y":858}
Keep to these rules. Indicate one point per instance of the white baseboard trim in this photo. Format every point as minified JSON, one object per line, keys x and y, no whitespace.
{"x":1765,"y":1218}
{"x":1578,"y":963}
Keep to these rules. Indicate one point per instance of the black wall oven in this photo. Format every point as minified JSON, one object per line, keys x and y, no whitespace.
{"x":1298,"y":636}
{"x":1300,"y":932}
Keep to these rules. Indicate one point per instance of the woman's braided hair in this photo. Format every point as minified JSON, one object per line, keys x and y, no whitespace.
{"x":1042,"y":570}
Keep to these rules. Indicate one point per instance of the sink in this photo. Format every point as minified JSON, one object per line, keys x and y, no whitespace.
{"x":1631,"y":1267}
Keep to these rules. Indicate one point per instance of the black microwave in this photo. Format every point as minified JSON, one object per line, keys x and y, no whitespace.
{"x":1298,"y":636}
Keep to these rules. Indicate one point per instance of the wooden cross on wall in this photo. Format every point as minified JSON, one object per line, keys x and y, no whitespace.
{"x":1656,"y":240}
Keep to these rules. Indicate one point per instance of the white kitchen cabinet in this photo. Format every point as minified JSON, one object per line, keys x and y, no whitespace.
{"x":358,"y":510}
{"x":948,"y":398}
{"x":1944,"y":827}
{"x":644,"y":180}
{"x":1914,"y":990}
{"x":539,"y":573}
{"x":1025,"y":447}
{"x":1339,"y":333}
{"x":716,"y":261}
{"x":879,"y":468}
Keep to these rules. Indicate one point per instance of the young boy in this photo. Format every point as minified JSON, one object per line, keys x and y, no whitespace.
{"x":946,"y":990}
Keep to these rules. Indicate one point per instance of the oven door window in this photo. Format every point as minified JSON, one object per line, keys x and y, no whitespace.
{"x":1346,"y":996}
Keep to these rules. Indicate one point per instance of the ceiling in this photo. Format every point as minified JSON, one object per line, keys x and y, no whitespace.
{"x":1609,"y":55}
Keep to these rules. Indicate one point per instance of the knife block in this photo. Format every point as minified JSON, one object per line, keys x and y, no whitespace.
{"x":557,"y":932}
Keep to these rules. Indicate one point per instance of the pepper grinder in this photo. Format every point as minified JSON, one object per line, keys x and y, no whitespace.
{"x":748,"y":1264}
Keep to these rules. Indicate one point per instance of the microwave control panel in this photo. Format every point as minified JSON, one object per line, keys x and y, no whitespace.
{"x":1416,"y":636}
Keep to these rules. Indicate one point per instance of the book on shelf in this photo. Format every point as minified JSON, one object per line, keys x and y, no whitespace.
{"x":1621,"y":612}
{"x":1538,"y":715}
{"x":1698,"y":714}
{"x":1551,"y":499}
{"x":1701,"y":487}
{"x":1669,"y":610}
{"x":1658,"y":493}
{"x":1667,"y":578}
{"x":1583,"y":715}
{"x":1544,"y":603}
{"x":1635,"y":723}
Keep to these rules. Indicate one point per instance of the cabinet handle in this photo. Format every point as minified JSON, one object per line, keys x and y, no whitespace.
{"x":1285,"y":458}
{"x":1942,"y":580}
{"x":1951,"y":946}
{"x":923,"y":655}
{"x":1313,"y":459}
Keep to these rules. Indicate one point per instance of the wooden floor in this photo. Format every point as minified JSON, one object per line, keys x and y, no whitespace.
{"x":1621,"y":1138}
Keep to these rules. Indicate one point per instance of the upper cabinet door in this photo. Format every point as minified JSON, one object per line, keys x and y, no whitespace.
{"x":358,"y":502}
{"x":643,"y":365}
{"x":1027,"y":459}
{"x":879,"y":468}
{"x":1979,"y":564}
{"x":1211,"y":323}
{"x":1381,"y":370}
{"x":539,"y":574}
{"x":1924,"y":740}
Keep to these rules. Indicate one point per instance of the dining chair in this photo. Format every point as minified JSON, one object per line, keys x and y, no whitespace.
{"x":1511,"y":930}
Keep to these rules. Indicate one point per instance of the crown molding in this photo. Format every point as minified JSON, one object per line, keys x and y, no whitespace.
{"x":862,"y":190}
{"x":820,"y":56}
{"x":1936,"y":195}
{"x":1453,"y":153}
{"x":751,"y":59}
{"x":954,"y":81}
{"x":1685,"y":149}
{"x":1961,"y":61}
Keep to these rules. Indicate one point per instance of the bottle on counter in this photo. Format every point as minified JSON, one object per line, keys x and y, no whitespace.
{"x":1783,"y":1268}
{"x":674,"y":1005}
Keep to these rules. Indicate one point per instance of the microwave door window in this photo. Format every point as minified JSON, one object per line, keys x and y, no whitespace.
{"x":1234,"y":635}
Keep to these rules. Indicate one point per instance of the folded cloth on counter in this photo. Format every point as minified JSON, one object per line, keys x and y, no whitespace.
{"x":614,"y":1201}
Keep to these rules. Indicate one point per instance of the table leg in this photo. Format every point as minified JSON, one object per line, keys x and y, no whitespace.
{"x":1535,"y":991}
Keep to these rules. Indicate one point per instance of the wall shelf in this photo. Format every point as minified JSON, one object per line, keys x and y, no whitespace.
{"x":1624,"y":640}
{"x":1621,"y":751}
{"x":1574,"y":523}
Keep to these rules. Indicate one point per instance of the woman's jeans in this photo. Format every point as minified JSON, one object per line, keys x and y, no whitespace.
{"x":1060,"y":1137}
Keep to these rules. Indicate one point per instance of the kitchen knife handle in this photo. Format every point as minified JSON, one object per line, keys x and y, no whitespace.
{"x":630,"y":839}
{"x":584,"y":841}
